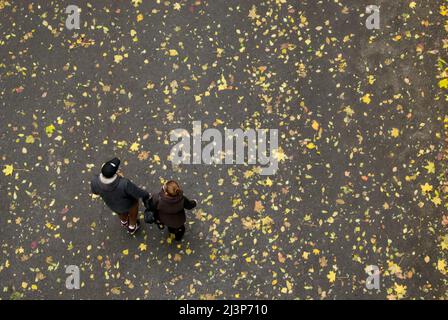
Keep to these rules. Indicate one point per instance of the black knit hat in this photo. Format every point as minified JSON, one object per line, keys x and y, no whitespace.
{"x":110,"y":168}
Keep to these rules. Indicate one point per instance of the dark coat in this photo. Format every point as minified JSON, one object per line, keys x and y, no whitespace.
{"x":171,"y":210}
{"x":120,"y":195}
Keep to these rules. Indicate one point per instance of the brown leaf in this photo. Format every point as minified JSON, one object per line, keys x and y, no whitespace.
{"x":281,"y":258}
{"x":323,"y":262}
{"x":258,"y":207}
{"x":143,"y":155}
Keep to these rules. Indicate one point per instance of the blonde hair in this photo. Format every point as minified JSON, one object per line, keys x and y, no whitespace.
{"x":172,"y":188}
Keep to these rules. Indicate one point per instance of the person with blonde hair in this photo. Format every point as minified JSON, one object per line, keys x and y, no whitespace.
{"x":169,"y":206}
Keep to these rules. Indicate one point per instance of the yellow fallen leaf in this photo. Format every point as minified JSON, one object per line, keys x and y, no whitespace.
{"x":443,"y":10}
{"x":115,"y":290}
{"x":331,"y":276}
{"x":223,"y":83}
{"x":8,"y":170}
{"x":426,"y":188}
{"x":49,"y":129}
{"x":444,"y":243}
{"x":118,"y":58}
{"x":395,"y":132}
{"x":136,"y":3}
{"x":173,"y":52}
{"x":29,"y":139}
{"x":430,"y":167}
{"x":443,"y":84}
{"x":400,"y":290}
{"x":394,"y":268}
{"x":436,"y":200}
{"x":441,"y":265}
{"x":366,"y":98}
{"x":134,"y":146}
{"x":253,"y":13}
{"x":126,"y":252}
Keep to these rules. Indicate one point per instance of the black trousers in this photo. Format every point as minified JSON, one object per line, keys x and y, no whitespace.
{"x":178,"y":232}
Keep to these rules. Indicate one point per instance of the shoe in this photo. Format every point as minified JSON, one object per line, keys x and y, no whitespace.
{"x":179,"y":234}
{"x":124,"y":224}
{"x":133,"y":231}
{"x":160,"y":225}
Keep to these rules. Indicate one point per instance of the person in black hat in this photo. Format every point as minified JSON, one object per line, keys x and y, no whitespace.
{"x":119,"y":194}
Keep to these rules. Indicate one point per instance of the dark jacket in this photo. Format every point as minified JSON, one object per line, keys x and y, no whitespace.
{"x":120,"y":195}
{"x":171,"y":210}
